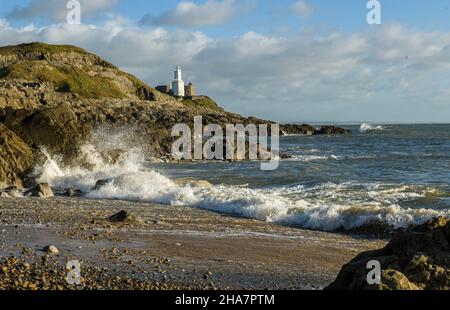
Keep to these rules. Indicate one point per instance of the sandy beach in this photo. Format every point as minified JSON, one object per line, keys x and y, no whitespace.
{"x":162,"y":247}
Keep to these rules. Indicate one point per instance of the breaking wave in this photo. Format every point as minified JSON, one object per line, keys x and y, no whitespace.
{"x":326,"y":207}
{"x":369,"y":128}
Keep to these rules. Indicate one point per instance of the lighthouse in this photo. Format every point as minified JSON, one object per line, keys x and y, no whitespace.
{"x":178,"y":83}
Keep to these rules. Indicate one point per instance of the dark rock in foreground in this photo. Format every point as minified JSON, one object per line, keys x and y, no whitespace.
{"x":124,"y":217}
{"x":418,"y":259}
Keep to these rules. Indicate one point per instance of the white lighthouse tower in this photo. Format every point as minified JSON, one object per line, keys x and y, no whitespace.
{"x":178,"y":83}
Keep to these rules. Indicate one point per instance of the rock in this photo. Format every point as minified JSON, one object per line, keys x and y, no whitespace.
{"x":196,"y":183}
{"x":294,"y":129}
{"x":14,"y":193}
{"x":4,"y":195}
{"x":202,"y":183}
{"x":42,"y":190}
{"x":331,"y":130}
{"x":285,"y":156}
{"x":416,"y":259}
{"x":51,"y":249}
{"x":16,"y":157}
{"x":70,"y":192}
{"x":376,"y":228}
{"x":125,"y":217}
{"x":395,"y":280}
{"x":120,"y":217}
{"x":99,"y":184}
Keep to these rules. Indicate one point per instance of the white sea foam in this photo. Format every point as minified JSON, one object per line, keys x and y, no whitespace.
{"x":306,"y":158}
{"x":369,"y":128}
{"x":327,"y":206}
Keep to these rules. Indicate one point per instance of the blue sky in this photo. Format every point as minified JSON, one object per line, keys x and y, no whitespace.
{"x":269,"y":16}
{"x":289,"y":60}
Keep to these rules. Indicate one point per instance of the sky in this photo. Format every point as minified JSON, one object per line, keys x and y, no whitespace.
{"x":284,"y":60}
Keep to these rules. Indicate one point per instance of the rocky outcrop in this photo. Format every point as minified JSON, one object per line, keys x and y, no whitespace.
{"x":416,"y":259}
{"x":57,"y":128}
{"x":294,"y":129}
{"x":42,"y":190}
{"x":16,"y":157}
{"x":331,"y":130}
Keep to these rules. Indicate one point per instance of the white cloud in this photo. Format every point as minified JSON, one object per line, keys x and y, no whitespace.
{"x":190,"y":14}
{"x":3,"y":23}
{"x":55,"y":10}
{"x":392,"y":73}
{"x":302,"y":8}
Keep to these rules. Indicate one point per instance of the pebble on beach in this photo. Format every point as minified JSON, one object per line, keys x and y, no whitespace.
{"x":51,"y":249}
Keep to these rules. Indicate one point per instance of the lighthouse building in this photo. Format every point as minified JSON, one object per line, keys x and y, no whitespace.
{"x":178,"y":83}
{"x":178,"y":88}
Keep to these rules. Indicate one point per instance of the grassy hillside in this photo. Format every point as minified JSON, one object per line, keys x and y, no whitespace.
{"x":38,"y":47}
{"x":65,"y":80}
{"x":70,"y":69}
{"x":201,"y":102}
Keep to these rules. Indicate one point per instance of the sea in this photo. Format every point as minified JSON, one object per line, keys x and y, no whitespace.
{"x":397,"y":175}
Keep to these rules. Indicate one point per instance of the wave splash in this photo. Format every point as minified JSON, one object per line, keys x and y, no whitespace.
{"x":369,"y":128}
{"x":325,"y":207}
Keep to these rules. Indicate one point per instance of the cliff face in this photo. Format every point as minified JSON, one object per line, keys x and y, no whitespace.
{"x":15,"y":158}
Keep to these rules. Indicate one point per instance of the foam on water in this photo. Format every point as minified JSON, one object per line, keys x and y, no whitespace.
{"x":368,"y":128}
{"x":327,"y":206}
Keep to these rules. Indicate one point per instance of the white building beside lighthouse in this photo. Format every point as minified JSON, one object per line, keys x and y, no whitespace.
{"x":178,"y":83}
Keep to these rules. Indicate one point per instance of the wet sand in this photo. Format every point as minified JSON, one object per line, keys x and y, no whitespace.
{"x":163,"y":247}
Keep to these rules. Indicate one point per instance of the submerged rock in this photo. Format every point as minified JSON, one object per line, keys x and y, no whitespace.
{"x":70,"y":192}
{"x":99,"y":184}
{"x":195,"y":183}
{"x":416,"y":259}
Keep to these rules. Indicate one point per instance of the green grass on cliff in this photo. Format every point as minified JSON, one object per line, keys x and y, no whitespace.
{"x":71,"y":80}
{"x":39,"y":48}
{"x":202,"y":102}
